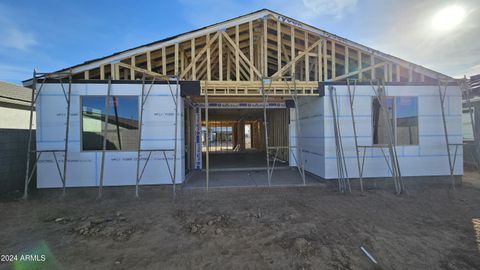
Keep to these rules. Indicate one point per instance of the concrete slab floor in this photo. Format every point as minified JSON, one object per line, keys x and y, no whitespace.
{"x":239,"y":160}
{"x":286,"y":176}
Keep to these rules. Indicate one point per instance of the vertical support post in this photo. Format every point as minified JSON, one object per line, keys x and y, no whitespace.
{"x":207,"y":138}
{"x":410,"y":73}
{"x":229,"y":64}
{"x":347,"y":61}
{"x":390,"y":72}
{"x":182,"y":61}
{"x":132,"y":71}
{"x":176,"y":60}
{"x":265,"y":45}
{"x":373,"y":70}
{"x":102,"y":72}
{"x":351,"y":98}
{"x":164,"y":61}
{"x":442,"y":95}
{"x":209,"y":72}
{"x":250,"y":44}
{"x":334,"y":61}
{"x":299,"y":131}
{"x":359,"y":66}
{"x":86,"y":75}
{"x":319,"y":61}
{"x":292,"y":49}
{"x":395,"y":166}
{"x":220,"y":58}
{"x":67,"y":128}
{"x":149,"y":62}
{"x":325,"y":60}
{"x":398,"y":72}
{"x":340,"y":158}
{"x":177,"y":100}
{"x":265,"y":126}
{"x":117,"y":71}
{"x":112,"y":72}
{"x":385,"y":72}
{"x":29,"y":143}
{"x":237,"y":55}
{"x":307,"y":59}
{"x":279,"y":45}
{"x":194,"y":63}
{"x":105,"y":127}
{"x":139,"y":145}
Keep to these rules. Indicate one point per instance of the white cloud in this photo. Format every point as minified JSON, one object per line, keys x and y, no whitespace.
{"x":337,"y":8}
{"x":409,"y":35}
{"x":13,"y":35}
{"x":16,"y":39}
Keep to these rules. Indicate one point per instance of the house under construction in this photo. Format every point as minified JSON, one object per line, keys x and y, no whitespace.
{"x":261,"y":91}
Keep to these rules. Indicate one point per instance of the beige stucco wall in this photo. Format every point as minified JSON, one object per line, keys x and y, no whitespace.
{"x":15,"y":118}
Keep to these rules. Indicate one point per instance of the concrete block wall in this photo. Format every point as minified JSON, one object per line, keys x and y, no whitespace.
{"x":13,"y":149}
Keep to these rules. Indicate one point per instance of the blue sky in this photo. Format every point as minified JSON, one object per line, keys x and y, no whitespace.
{"x":51,"y":34}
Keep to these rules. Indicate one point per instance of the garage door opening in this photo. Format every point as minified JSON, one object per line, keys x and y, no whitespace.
{"x":236,"y":137}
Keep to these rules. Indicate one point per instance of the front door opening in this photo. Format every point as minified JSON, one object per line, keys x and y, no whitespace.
{"x":236,"y":137}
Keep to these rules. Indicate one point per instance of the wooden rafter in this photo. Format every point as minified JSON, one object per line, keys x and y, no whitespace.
{"x":252,"y":47}
{"x":292,"y":63}
{"x":200,"y":53}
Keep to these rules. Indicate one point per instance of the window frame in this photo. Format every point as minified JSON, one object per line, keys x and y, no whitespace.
{"x":395,"y":120}
{"x":81,"y":123}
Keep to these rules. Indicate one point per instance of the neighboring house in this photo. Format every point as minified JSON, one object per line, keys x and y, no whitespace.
{"x":14,"y":127}
{"x":14,"y":106}
{"x":468,"y":133}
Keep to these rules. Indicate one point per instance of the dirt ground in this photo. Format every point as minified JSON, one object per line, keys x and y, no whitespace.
{"x":432,"y":227}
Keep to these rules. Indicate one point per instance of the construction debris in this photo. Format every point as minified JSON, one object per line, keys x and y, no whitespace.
{"x":115,"y":226}
{"x":368,"y":255}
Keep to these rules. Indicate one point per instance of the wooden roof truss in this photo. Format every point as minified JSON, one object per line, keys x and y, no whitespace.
{"x":232,"y":57}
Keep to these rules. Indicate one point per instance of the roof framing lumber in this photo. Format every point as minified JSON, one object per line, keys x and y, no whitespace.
{"x":254,"y":46}
{"x":202,"y":51}
{"x":292,"y":63}
{"x":161,"y":44}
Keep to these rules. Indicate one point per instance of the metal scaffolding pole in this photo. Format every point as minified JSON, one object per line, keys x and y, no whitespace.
{"x":343,"y":180}
{"x":104,"y":144}
{"x":380,"y":93}
{"x":265,"y":126}
{"x":35,"y":94}
{"x":176,"y":100}
{"x":29,"y":146}
{"x":298,"y":130}
{"x":67,"y":128}
{"x":164,"y":151}
{"x":140,"y":119}
{"x":207,"y":160}
{"x":301,"y":161}
{"x":351,"y":98}
{"x":442,"y":92}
